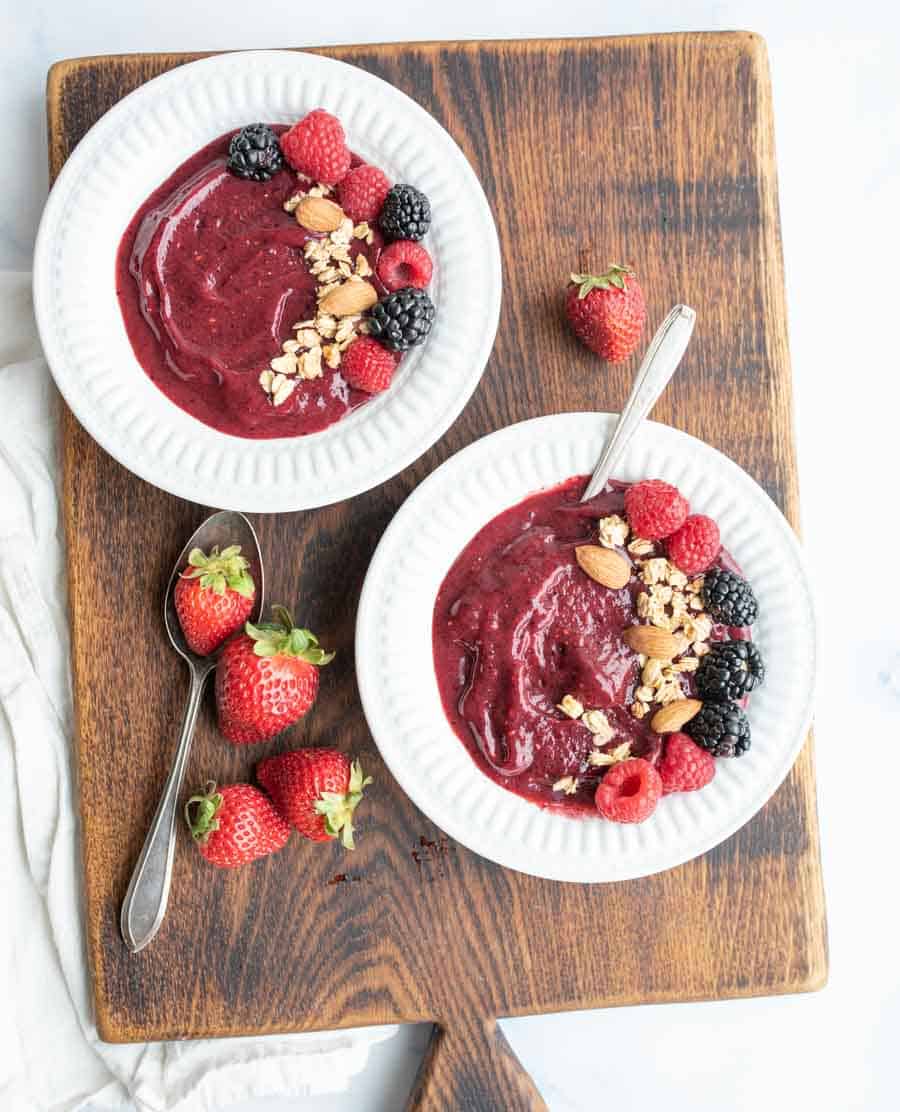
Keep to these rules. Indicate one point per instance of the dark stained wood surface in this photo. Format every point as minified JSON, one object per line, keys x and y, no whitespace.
{"x":658,"y":150}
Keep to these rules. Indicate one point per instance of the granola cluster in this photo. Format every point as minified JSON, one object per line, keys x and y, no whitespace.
{"x":602,"y":731}
{"x":324,"y":338}
{"x":669,"y":601}
{"x":613,"y":531}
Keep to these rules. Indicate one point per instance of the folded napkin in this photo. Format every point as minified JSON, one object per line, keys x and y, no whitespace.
{"x":52,"y":1057}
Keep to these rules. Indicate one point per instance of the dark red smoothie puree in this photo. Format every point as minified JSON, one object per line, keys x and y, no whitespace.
{"x":518,"y":625}
{"x":210,"y":276}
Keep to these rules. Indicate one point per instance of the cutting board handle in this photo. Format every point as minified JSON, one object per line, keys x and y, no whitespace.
{"x":470,"y":1067}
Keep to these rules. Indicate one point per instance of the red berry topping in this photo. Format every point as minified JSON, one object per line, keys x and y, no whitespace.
{"x":404,"y":264}
{"x":316,"y":146}
{"x":685,"y":767}
{"x":366,"y":365}
{"x":696,"y":544}
{"x":655,"y":509}
{"x":629,"y":792}
{"x":362,"y":193}
{"x":607,"y":312}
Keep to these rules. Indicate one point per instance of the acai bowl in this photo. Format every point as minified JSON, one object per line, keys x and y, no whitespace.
{"x":409,"y":697}
{"x":116,"y":389}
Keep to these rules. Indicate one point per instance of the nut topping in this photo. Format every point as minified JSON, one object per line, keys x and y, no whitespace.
{"x":351,"y":297}
{"x":318,"y":214}
{"x":603,"y":565}
{"x":653,"y":642}
{"x":670,"y":718}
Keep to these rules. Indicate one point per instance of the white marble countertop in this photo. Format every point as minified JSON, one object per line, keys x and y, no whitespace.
{"x":836,"y":74}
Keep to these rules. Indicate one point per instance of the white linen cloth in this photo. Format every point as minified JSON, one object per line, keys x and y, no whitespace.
{"x":52,"y":1057}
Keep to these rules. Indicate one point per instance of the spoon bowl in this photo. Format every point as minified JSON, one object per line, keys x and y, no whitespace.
{"x":145,"y":902}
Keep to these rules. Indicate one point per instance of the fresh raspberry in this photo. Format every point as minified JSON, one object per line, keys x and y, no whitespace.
{"x":629,"y":792}
{"x":685,"y":767}
{"x":655,"y":509}
{"x":696,"y":544}
{"x":368,"y":366}
{"x":362,"y":193}
{"x":404,"y":264}
{"x":316,"y":147}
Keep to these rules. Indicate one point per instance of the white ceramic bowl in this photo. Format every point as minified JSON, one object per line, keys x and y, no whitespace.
{"x":394,"y":659}
{"x":128,"y":153}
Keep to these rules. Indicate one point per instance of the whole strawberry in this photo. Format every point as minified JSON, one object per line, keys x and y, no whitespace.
{"x":316,"y":791}
{"x":317,"y":147}
{"x":234,"y":824}
{"x":607,"y":311}
{"x":213,"y":597}
{"x":267,"y":678}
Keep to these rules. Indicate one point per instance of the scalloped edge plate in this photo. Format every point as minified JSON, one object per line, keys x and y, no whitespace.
{"x":126,"y":155}
{"x":399,"y":691}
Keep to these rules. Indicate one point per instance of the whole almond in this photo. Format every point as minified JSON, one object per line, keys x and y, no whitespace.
{"x":348,"y":299}
{"x":656,"y":643}
{"x":603,"y":565}
{"x":670,"y":718}
{"x":318,"y":214}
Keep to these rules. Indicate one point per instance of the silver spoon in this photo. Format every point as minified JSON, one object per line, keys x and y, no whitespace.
{"x":660,"y":363}
{"x":148,"y":892}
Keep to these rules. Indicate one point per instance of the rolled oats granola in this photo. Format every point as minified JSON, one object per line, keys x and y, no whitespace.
{"x":320,"y":341}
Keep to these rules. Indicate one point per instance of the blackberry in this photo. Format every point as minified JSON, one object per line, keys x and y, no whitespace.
{"x":255,"y":153}
{"x":730,"y":670}
{"x":729,"y":598}
{"x":402,"y":319}
{"x":405,"y":214}
{"x":720,"y":727}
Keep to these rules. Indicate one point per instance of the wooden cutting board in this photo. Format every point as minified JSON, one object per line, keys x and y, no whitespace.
{"x":658,"y":150}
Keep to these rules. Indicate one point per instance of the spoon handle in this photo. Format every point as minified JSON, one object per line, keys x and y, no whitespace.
{"x":148,"y":892}
{"x":660,"y":363}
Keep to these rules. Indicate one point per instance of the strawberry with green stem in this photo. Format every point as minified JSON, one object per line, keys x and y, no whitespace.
{"x":607,"y":311}
{"x":267,"y":678}
{"x":316,"y":791}
{"x":213,"y":597}
{"x":234,"y":824}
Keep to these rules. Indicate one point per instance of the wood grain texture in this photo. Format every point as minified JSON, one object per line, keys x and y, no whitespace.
{"x":470,"y":1067}
{"x":657,"y":150}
